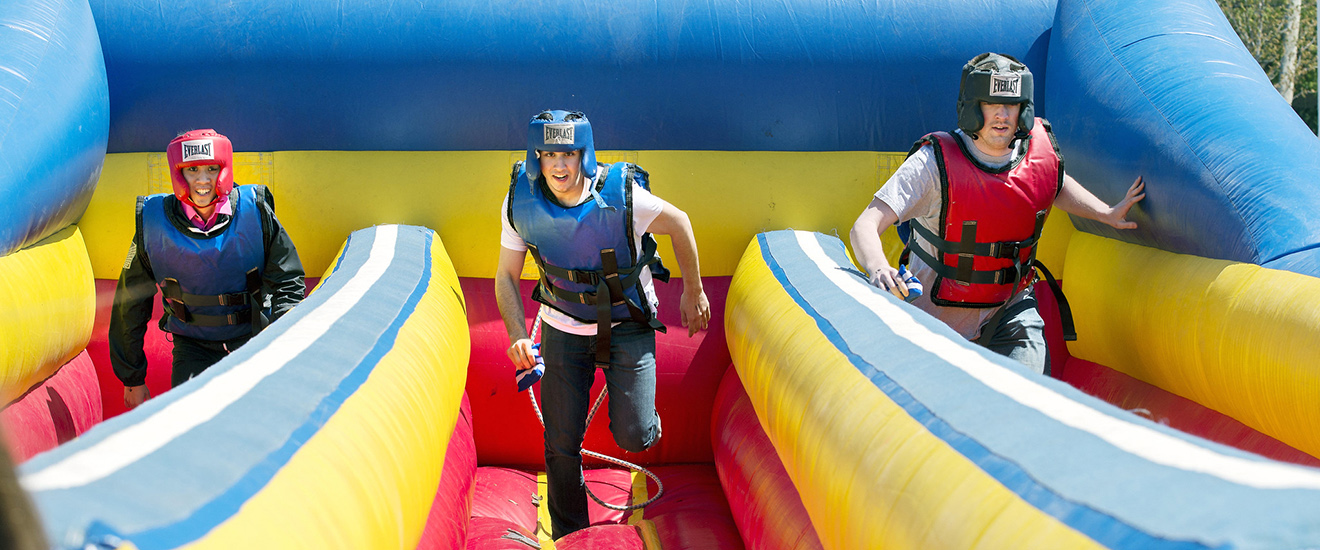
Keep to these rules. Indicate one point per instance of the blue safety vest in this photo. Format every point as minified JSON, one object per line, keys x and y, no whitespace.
{"x":209,"y":282}
{"x":587,"y":251}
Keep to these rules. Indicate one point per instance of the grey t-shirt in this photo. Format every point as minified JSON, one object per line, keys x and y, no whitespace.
{"x":913,"y":192}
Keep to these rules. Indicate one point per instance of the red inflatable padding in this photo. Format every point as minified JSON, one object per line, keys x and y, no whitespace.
{"x":487,"y":533}
{"x":764,"y":502}
{"x":1048,"y":307}
{"x":54,"y":411}
{"x":505,"y":494}
{"x":447,"y":524}
{"x":689,"y":369}
{"x":1175,"y":411}
{"x":693,"y":514}
{"x":603,"y":537}
{"x":510,"y":495}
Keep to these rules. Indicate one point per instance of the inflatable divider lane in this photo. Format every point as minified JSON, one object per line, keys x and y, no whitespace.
{"x":327,"y":430}
{"x":900,"y":434}
{"x":47,"y":308}
{"x":54,"y":117}
{"x":1238,"y":338}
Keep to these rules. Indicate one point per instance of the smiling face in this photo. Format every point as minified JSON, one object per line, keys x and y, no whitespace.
{"x":201,"y":183}
{"x":1001,"y":124}
{"x":563,"y":174}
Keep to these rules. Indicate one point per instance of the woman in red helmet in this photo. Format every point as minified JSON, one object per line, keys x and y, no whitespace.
{"x":222,"y":262}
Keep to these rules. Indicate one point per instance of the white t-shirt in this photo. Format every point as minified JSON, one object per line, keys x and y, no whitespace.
{"x":913,"y":192}
{"x":646,"y":207}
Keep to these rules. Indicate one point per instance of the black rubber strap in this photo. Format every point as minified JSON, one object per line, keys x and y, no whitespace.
{"x":1007,"y":275}
{"x":171,"y":290}
{"x":1065,"y":311}
{"x":256,"y":300}
{"x":604,"y":309}
{"x":967,"y":260}
{"x":239,"y":318}
{"x":1007,"y":249}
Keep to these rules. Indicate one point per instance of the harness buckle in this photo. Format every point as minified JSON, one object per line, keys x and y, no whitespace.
{"x":1007,"y":251}
{"x":585,"y":278}
{"x":1006,"y":276}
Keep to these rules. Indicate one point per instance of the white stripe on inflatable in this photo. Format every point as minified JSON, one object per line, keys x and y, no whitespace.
{"x":1137,"y":440}
{"x":153,"y":432}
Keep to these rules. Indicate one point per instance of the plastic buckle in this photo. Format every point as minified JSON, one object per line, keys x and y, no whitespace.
{"x":1007,"y":251}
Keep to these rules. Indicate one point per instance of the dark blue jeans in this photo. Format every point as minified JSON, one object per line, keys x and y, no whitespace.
{"x":192,"y":356}
{"x":570,"y":369}
{"x":1020,"y":335}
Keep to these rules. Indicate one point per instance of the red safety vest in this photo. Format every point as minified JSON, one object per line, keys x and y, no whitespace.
{"x":992,"y":219}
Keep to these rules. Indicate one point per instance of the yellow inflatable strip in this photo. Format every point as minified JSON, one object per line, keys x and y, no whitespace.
{"x":376,"y":463}
{"x":322,"y":196}
{"x":639,"y":495}
{"x":870,"y":476}
{"x":1238,"y":338}
{"x":49,"y":306}
{"x":543,"y":513}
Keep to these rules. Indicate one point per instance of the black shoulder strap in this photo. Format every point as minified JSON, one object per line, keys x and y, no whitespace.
{"x":1065,"y":311}
{"x":513,"y":184}
{"x":140,"y":239}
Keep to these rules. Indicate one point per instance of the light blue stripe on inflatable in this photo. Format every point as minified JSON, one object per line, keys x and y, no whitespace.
{"x":317,"y":356}
{"x":1117,"y":478}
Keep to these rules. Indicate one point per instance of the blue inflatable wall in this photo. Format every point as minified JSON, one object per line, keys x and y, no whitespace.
{"x":54,"y":117}
{"x":1166,"y":89}
{"x":467,"y":74}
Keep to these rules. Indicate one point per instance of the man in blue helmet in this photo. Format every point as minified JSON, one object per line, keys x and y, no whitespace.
{"x":977,"y":199}
{"x":588,"y":227}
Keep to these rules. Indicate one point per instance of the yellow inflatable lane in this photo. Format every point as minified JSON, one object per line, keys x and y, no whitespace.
{"x":49,"y":306}
{"x":898,"y":433}
{"x":327,"y":430}
{"x":1237,"y":338}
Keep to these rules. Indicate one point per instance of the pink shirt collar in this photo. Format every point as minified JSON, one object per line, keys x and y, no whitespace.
{"x":222,"y":207}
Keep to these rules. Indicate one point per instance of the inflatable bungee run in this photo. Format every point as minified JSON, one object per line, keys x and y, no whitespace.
{"x":815,"y":412}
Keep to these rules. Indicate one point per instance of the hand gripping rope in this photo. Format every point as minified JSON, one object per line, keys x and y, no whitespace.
{"x":660,"y":487}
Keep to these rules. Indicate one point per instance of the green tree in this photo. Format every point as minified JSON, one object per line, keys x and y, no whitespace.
{"x":1263,"y":26}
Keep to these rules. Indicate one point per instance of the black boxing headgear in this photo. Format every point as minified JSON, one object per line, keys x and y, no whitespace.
{"x":996,"y":79}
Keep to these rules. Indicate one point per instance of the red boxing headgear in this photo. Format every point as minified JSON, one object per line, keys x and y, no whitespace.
{"x":197,"y":148}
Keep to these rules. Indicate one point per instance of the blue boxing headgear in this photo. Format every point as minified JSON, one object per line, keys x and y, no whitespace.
{"x":995,"y":79}
{"x":561,"y":131}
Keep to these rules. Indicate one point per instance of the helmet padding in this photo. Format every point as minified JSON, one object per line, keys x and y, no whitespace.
{"x":199,"y":148}
{"x":996,"y":79}
{"x":560,"y":131}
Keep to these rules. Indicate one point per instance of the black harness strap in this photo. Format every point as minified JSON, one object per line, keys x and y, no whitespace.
{"x":1065,"y":311}
{"x":1007,"y":249}
{"x":966,"y":260}
{"x":604,"y":317}
{"x":177,"y":302}
{"x":171,"y":290}
{"x":256,"y":299}
{"x":1007,"y":275}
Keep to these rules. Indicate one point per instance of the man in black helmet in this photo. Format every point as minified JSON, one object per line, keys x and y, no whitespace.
{"x":977,"y":199}
{"x":588,"y":226}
